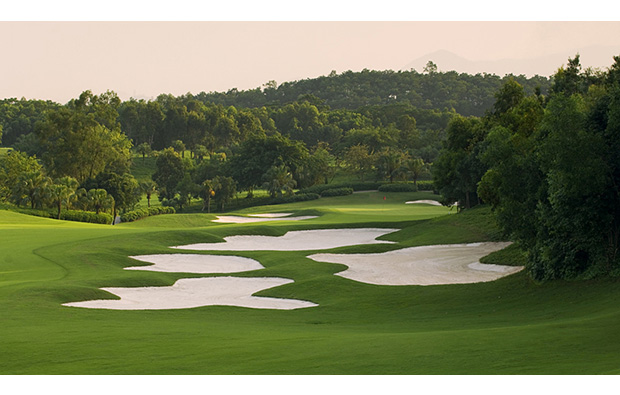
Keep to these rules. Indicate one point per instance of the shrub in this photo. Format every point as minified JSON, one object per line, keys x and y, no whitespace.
{"x":426,"y":186}
{"x":398,"y":187}
{"x":356,"y":186}
{"x":135,"y":215}
{"x":337,"y":192}
{"x":302,"y":197}
{"x":70,"y":215}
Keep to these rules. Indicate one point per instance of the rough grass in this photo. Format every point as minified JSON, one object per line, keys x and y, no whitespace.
{"x":509,"y":326}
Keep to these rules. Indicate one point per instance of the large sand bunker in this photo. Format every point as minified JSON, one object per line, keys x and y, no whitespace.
{"x":428,"y":265}
{"x":194,"y":263}
{"x":197,"y":292}
{"x":235,"y":219}
{"x":431,"y":202}
{"x":300,"y":240}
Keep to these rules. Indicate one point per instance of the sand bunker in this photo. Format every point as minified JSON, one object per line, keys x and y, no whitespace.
{"x":234,"y":219}
{"x":428,"y":265}
{"x":301,"y":240}
{"x":270,"y":215}
{"x":431,"y":202}
{"x":194,"y":263}
{"x":197,"y":292}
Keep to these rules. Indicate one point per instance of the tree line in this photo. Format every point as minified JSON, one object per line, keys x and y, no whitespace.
{"x":549,"y":166}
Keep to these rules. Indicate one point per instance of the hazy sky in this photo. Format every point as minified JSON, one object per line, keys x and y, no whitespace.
{"x":59,"y":60}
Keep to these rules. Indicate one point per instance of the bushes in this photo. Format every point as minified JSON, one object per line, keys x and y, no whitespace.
{"x":336,"y":192}
{"x":356,"y":186}
{"x":302,"y":197}
{"x":398,"y":187}
{"x":426,"y":186}
{"x":135,"y":215}
{"x":70,"y":215}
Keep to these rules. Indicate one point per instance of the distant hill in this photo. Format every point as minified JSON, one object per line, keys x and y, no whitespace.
{"x":545,"y":65}
{"x":467,"y":94}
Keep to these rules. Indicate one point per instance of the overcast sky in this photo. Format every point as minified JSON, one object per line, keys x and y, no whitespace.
{"x":59,"y":60}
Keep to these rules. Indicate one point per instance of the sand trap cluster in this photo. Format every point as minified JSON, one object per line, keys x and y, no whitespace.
{"x":300,"y":240}
{"x":196,"y":292}
{"x":431,"y":202}
{"x":235,"y":219}
{"x":194,"y":263}
{"x":428,"y":265}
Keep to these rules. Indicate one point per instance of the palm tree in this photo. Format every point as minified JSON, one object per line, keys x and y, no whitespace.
{"x":148,"y":187}
{"x":100,"y":200}
{"x":30,"y":188}
{"x":207,"y":191}
{"x":416,"y":167}
{"x":279,"y":178}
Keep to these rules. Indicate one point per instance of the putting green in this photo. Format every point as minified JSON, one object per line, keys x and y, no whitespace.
{"x":508,"y":326}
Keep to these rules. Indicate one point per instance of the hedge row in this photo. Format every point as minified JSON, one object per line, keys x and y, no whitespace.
{"x":426,"y":186}
{"x":336,"y":192}
{"x":356,"y":186}
{"x":135,"y":215}
{"x":398,"y":187}
{"x":70,"y":215}
{"x":300,"y":197}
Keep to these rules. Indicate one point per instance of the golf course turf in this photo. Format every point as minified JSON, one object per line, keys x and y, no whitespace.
{"x":508,"y":326}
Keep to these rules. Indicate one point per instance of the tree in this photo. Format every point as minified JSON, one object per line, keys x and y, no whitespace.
{"x":279,"y":178}
{"x":458,"y":169}
{"x":30,"y":187}
{"x":358,"y":160}
{"x":259,"y":153}
{"x":124,"y":190}
{"x":144,"y":149}
{"x":169,"y":170}
{"x":83,"y":138}
{"x":186,"y":189}
{"x":226,"y":189}
{"x":389,"y":163}
{"x":430,"y":68}
{"x":148,"y":188}
{"x":415,"y":167}
{"x":179,"y":147}
{"x":96,"y":199}
{"x":207,"y":191}
{"x":12,"y":166}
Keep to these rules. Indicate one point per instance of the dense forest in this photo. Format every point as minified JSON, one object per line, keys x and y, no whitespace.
{"x":541,"y":151}
{"x":549,"y":167}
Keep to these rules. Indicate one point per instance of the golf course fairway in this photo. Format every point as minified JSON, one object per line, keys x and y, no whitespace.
{"x":508,"y":326}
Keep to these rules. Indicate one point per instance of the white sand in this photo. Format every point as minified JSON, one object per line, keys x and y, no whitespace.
{"x":197,"y":292}
{"x":234,"y":219}
{"x":301,"y":240}
{"x":432,"y":202}
{"x":429,"y":265}
{"x":195,"y":263}
{"x":270,"y":215}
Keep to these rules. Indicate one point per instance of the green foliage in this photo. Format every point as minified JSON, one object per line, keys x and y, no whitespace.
{"x":467,"y":94}
{"x":336,"y":192}
{"x":135,"y":215}
{"x":83,"y":138}
{"x":553,"y":175}
{"x":259,"y":153}
{"x":70,"y":215}
{"x":399,"y":187}
{"x":277,"y":179}
{"x":356,"y":186}
{"x":169,"y":171}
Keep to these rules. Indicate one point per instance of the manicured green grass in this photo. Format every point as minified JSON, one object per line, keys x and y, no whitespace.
{"x":143,"y":168}
{"x":508,"y":326}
